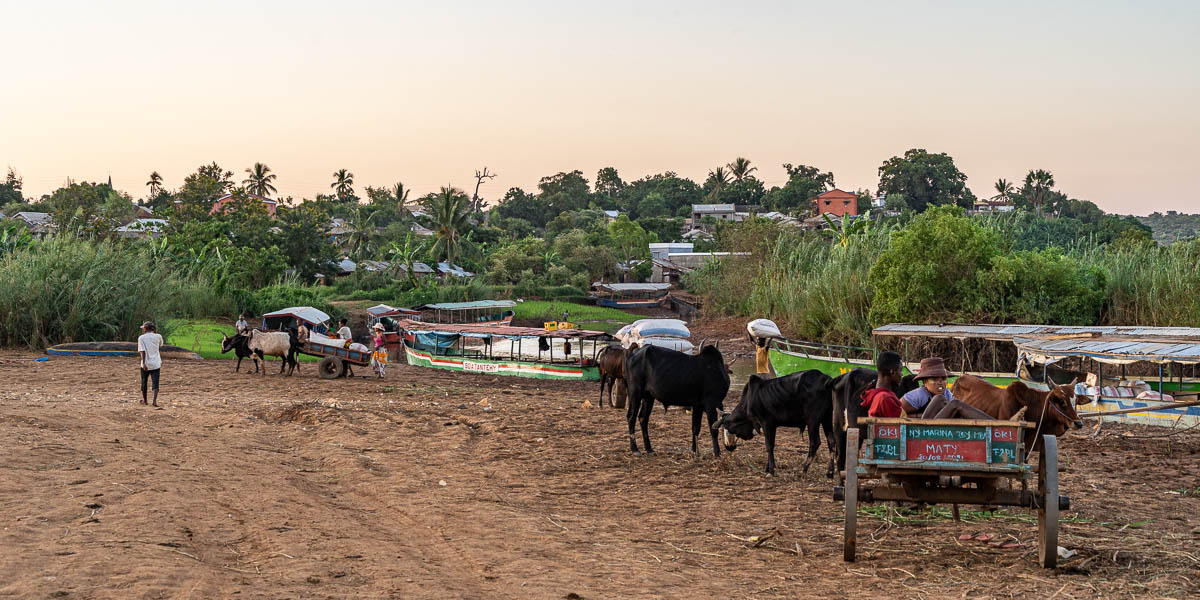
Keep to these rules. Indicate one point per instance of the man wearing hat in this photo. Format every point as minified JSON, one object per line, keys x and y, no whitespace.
{"x":934,"y":398}
{"x":149,"y":344}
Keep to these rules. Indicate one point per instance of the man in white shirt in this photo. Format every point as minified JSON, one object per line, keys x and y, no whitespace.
{"x":241,"y":326}
{"x":343,"y":331}
{"x":151,"y":359}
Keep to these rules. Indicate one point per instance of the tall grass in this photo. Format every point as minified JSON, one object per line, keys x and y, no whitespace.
{"x":1148,"y":284}
{"x":67,"y":289}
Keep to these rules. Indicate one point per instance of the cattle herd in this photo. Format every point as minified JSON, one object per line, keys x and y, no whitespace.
{"x":808,"y":400}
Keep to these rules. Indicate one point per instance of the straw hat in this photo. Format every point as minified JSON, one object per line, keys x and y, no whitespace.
{"x":378,"y":326}
{"x":933,"y":367}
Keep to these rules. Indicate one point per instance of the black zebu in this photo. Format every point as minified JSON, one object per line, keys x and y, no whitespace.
{"x":796,"y":400}
{"x":699,"y":382}
{"x":238,"y":344}
{"x":846,"y":391}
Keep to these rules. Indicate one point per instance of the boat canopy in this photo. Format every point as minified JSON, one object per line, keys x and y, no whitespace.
{"x":1107,"y":349}
{"x":383,"y":310}
{"x":468,"y":305}
{"x":1005,"y":333}
{"x":307,"y":314}
{"x":501,"y":331}
{"x":635,"y":287}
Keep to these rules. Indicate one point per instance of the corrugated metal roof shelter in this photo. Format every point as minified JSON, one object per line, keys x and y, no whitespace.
{"x":1108,"y":349}
{"x":468,"y":305}
{"x":1008,"y":332}
{"x":636,"y":287}
{"x":500,"y":331}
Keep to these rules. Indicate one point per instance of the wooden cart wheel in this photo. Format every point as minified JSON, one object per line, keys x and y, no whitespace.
{"x":331,"y":367}
{"x":849,"y":534}
{"x":1048,"y":513}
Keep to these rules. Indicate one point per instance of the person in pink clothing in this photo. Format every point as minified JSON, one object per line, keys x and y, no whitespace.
{"x":379,"y":357}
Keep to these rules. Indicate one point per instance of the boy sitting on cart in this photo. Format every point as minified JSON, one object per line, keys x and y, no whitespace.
{"x":930,"y":401}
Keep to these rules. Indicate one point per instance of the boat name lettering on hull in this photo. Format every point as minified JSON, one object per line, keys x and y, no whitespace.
{"x":481,"y":367}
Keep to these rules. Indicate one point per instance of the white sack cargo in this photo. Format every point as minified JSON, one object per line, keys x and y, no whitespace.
{"x":763,"y":328}
{"x":672,"y":343}
{"x":623,"y":334}
{"x":649,"y":328}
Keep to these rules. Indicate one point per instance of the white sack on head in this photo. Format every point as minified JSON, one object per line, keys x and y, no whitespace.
{"x":763,"y":328}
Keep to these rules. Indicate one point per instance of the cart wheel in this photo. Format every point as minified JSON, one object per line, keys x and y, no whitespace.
{"x":1048,"y":513}
{"x":849,"y":534}
{"x":331,"y":367}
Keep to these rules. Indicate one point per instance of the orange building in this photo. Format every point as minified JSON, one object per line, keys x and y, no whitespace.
{"x":219,"y":203}
{"x":837,"y":202}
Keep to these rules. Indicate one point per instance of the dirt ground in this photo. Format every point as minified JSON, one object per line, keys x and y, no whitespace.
{"x":275,"y":487}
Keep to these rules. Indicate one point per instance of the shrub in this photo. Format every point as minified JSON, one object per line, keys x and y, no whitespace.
{"x":66,"y":289}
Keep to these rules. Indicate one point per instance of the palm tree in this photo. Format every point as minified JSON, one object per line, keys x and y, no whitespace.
{"x":358,"y":238}
{"x":155,"y":183}
{"x":259,"y":180}
{"x":448,"y":209}
{"x":719,"y":178}
{"x":1038,"y":184}
{"x":401,"y":194}
{"x":343,"y":182}
{"x":740,"y":168}
{"x":1004,"y":189}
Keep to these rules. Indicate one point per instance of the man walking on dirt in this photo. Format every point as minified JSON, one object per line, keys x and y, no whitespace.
{"x":149,"y":344}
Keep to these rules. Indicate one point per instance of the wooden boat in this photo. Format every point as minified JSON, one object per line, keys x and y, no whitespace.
{"x":631,"y":295}
{"x":115,"y":349}
{"x":503,"y":350}
{"x":479,"y":312}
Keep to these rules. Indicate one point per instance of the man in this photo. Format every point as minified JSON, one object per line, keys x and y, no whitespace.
{"x":762,"y":357}
{"x":241,"y":326}
{"x":343,"y":331}
{"x":151,"y":360}
{"x":934,"y":398}
{"x":881,"y":401}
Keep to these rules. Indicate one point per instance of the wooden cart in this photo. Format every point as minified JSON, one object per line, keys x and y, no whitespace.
{"x":335,"y":359}
{"x":951,"y":461}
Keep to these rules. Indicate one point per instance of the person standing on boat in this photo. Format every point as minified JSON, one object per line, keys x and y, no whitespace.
{"x":379,"y":357}
{"x":150,"y":359}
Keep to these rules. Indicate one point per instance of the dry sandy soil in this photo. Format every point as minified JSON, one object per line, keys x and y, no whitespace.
{"x":275,"y":487}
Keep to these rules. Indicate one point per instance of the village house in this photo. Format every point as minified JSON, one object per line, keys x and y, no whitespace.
{"x":141,"y":229}
{"x":837,"y":202}
{"x":993,"y":205}
{"x":38,"y":223}
{"x":220,"y":203}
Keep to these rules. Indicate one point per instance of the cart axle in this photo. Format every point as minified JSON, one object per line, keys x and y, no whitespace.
{"x":995,"y":497}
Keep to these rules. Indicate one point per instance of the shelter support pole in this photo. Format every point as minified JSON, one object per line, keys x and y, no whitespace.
{"x":1160,"y":383}
{"x":995,"y":367}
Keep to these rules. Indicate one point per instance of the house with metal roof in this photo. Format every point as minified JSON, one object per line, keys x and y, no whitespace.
{"x":38,"y":223}
{"x":142,"y":229}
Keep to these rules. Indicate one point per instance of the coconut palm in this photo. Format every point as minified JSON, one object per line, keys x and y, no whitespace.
{"x":155,"y":183}
{"x":1038,"y":187}
{"x":358,"y":238}
{"x":343,"y":183}
{"x":1004,"y":189}
{"x":740,"y":169}
{"x":401,"y":194}
{"x":719,"y":178}
{"x":258,"y":180}
{"x":448,"y":209}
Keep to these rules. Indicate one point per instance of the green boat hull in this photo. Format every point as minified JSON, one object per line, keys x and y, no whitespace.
{"x":786,"y":363}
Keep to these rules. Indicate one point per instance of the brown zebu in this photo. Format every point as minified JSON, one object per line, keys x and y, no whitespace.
{"x":1052,"y":411}
{"x":611,"y":363}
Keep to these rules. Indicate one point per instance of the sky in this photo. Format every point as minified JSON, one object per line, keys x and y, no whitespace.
{"x":1105,"y":95}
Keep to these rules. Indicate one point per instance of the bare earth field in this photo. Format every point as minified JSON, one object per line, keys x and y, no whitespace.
{"x":274,"y":487}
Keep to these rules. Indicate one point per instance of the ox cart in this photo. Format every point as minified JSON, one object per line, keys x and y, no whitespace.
{"x":335,"y":357}
{"x":954,"y":461}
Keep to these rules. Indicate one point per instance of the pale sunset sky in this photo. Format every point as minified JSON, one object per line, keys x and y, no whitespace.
{"x":1105,"y":95}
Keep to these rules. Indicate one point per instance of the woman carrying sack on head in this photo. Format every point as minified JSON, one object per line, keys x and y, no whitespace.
{"x":379,"y":357}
